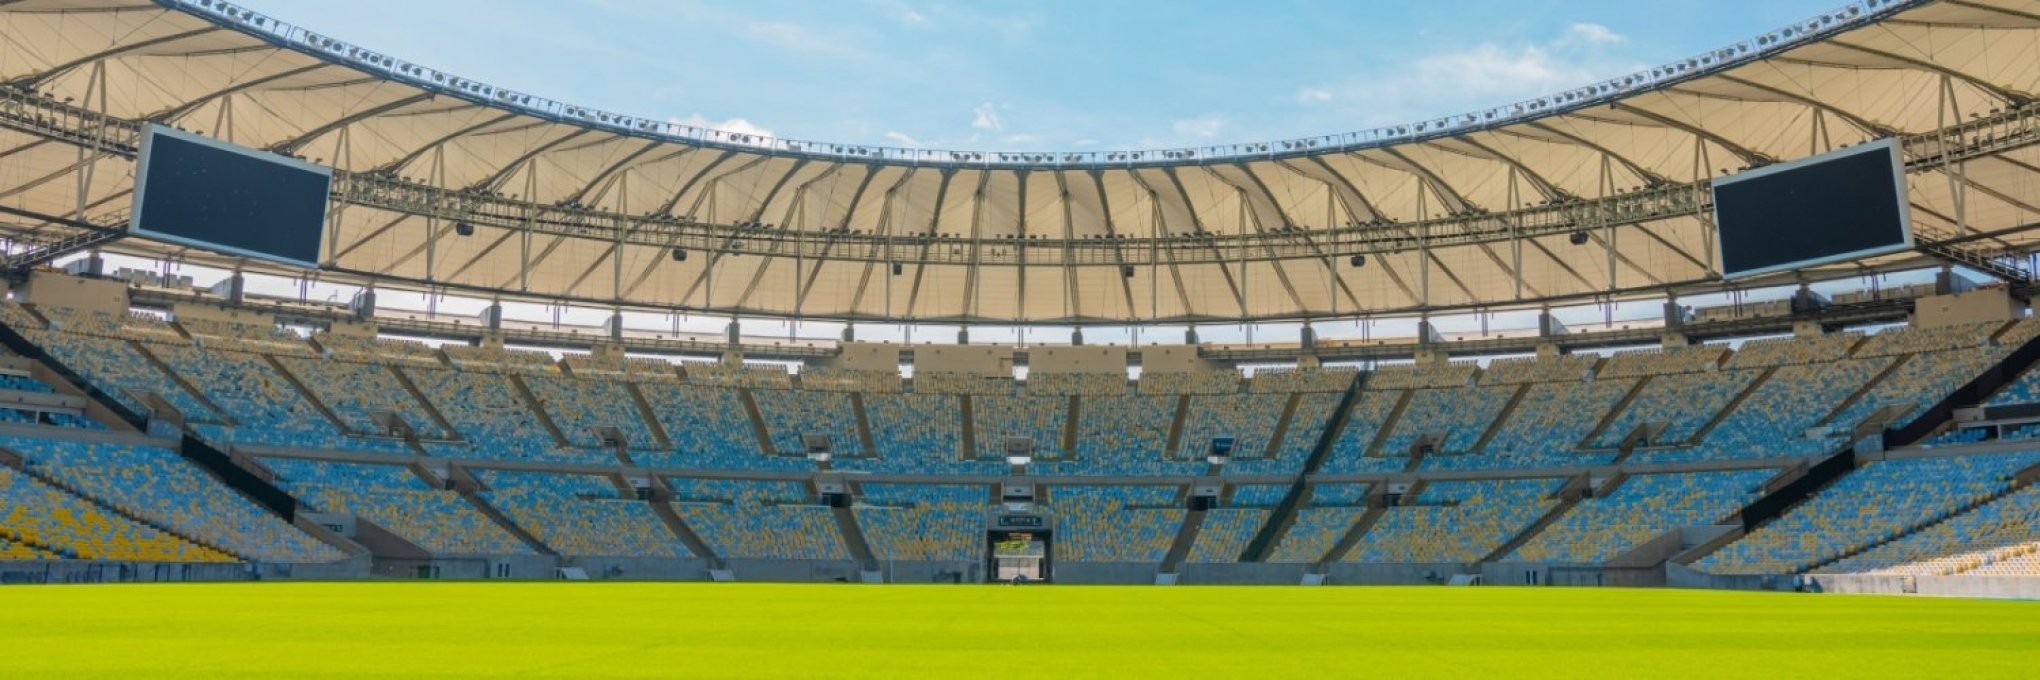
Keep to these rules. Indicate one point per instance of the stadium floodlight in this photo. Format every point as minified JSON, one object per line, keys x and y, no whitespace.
{"x":1019,"y":451}
{"x":1220,"y":451}
{"x":819,"y":446}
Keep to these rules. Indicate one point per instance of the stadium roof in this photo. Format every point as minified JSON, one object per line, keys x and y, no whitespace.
{"x":1478,"y":211}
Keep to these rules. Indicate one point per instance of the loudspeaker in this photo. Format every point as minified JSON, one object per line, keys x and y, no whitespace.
{"x":463,"y":228}
{"x":679,"y":255}
{"x":1578,"y":238}
{"x":1126,"y":271}
{"x":898,"y":269}
{"x":1358,"y":261}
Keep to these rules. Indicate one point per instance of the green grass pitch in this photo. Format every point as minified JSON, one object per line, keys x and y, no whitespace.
{"x":597,"y":630}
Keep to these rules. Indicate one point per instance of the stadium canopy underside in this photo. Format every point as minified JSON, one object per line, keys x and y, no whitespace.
{"x":1475,"y":211}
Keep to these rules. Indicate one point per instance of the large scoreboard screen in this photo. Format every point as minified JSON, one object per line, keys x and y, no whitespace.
{"x":216,"y":196}
{"x":1835,"y":207}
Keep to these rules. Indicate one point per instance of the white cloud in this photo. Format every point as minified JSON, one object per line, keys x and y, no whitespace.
{"x":1595,"y":34}
{"x":1312,"y":95}
{"x":1203,"y":127}
{"x":902,"y":139}
{"x":985,"y":117}
{"x":742,"y":126}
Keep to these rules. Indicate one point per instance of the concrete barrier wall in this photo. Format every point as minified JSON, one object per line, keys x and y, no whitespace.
{"x":2016,"y":587}
{"x":792,"y":571}
{"x":1345,"y":574}
{"x":80,"y":571}
{"x":1245,"y":574}
{"x":1100,"y":573}
{"x":907,"y":571}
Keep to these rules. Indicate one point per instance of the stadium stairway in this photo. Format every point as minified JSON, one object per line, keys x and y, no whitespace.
{"x":431,"y":410}
{"x":757,"y":417}
{"x":661,"y":501}
{"x":863,"y":424}
{"x":1700,"y":435}
{"x":1377,"y":507}
{"x":142,"y":349}
{"x":1608,"y":419}
{"x":537,"y":409}
{"x":1797,"y":486}
{"x":1186,"y":537}
{"x":469,"y":489}
{"x":1285,"y":511}
{"x":309,"y":396}
{"x":644,"y":411}
{"x":1501,"y":418}
{"x":853,"y":535}
{"x":969,"y":428}
{"x":1568,"y":496}
{"x":1182,"y":414}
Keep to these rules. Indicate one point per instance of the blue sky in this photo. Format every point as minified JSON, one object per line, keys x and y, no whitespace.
{"x":1057,"y":74}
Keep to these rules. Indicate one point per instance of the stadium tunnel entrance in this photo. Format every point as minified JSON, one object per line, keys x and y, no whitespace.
{"x":1019,"y":556}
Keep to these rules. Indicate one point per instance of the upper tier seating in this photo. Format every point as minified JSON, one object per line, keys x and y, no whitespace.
{"x":1039,"y":419}
{"x":1455,"y":522}
{"x":499,"y":359}
{"x":1189,"y":382}
{"x":1076,"y":384}
{"x":1774,"y":419}
{"x":367,"y":350}
{"x":756,"y":376}
{"x":1371,"y":410}
{"x":356,"y":391}
{"x":1550,"y":421}
{"x":1920,"y":380}
{"x":1682,"y":402}
{"x":917,"y":433}
{"x":1306,"y":426}
{"x":397,"y":501}
{"x":844,"y":380}
{"x":493,"y":420}
{"x":579,"y":515}
{"x":1873,"y":503}
{"x":260,"y":338}
{"x":1126,"y":435}
{"x":1519,"y":370}
{"x":789,"y":414}
{"x":1646,"y":506}
{"x":1794,"y":351}
{"x":615,"y":367}
{"x":1410,"y":376}
{"x":117,"y":368}
{"x":580,"y":406}
{"x":1664,"y":361}
{"x":710,"y":429}
{"x":158,"y":485}
{"x":1459,"y":415}
{"x":1250,"y":419}
{"x":1280,"y":380}
{"x":265,"y":407}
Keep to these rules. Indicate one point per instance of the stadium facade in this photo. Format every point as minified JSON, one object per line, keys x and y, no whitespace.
{"x":164,"y":430}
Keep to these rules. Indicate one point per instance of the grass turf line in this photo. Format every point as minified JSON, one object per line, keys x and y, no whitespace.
{"x":625,"y":630}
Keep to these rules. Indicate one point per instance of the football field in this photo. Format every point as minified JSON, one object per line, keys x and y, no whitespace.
{"x":626,"y":630}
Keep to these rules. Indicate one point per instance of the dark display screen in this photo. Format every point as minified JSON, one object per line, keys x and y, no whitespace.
{"x":215,"y":196}
{"x":1834,"y":207}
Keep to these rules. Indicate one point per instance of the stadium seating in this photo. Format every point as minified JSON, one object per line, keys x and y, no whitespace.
{"x":1307,"y":424}
{"x":924,"y":522}
{"x":1990,"y":534}
{"x":1039,"y":419}
{"x":1313,"y":533}
{"x":1458,"y":415}
{"x":237,"y":336}
{"x":764,"y":525}
{"x":356,"y":391}
{"x":1076,"y":384}
{"x":1411,"y":376}
{"x":1225,"y":533}
{"x":1250,"y":419}
{"x":1877,"y":502}
{"x":158,"y":485}
{"x":789,"y":414}
{"x":1258,"y":495}
{"x":579,"y":515}
{"x":579,"y":406}
{"x":1663,"y":361}
{"x":710,"y":429}
{"x":493,"y":420}
{"x":1919,"y":380}
{"x":392,"y":498}
{"x":1370,"y":412}
{"x":1285,"y":380}
{"x":367,"y":350}
{"x":1794,"y":351}
{"x":1773,"y":420}
{"x":119,"y":369}
{"x":1115,"y":523}
{"x":1550,"y":421}
{"x":917,"y":434}
{"x":1454,"y":522}
{"x":756,"y":376}
{"x":265,"y":407}
{"x":1189,"y":382}
{"x":1645,"y":506}
{"x":40,"y":521}
{"x":820,"y":379}
{"x":1519,"y":370}
{"x":1681,"y":402}
{"x":1127,"y":435}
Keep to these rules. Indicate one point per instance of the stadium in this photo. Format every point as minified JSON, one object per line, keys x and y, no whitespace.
{"x":316,"y":362}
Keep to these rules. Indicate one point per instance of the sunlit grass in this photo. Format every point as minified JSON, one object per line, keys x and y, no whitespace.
{"x":583,"y":630}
